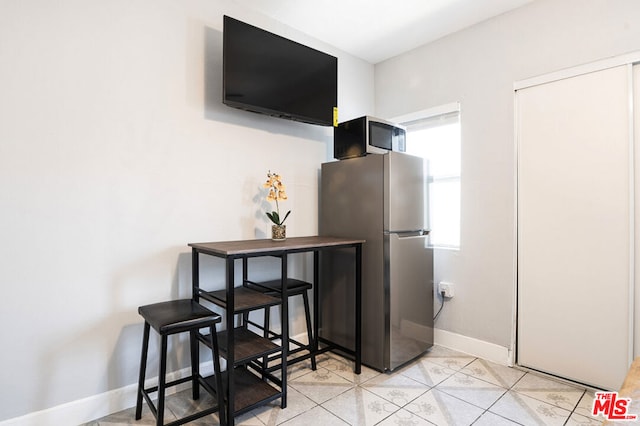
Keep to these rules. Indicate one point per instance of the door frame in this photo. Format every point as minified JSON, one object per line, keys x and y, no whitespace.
{"x":629,"y":60}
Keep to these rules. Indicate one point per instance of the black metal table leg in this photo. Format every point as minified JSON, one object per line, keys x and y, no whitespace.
{"x":284,"y":311}
{"x":316,"y":315}
{"x":195,"y":275}
{"x":230,"y":319}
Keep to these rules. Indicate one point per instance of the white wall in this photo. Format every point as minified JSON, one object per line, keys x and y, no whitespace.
{"x":115,"y":152}
{"x":478,"y":67}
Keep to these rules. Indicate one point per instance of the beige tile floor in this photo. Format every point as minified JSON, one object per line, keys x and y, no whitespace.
{"x":443,"y":387}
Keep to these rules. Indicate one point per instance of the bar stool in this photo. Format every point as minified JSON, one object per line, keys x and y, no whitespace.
{"x":169,"y":318}
{"x":294,"y":287}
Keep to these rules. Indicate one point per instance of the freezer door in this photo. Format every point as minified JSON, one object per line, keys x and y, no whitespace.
{"x":411,"y":298}
{"x":404,"y":192}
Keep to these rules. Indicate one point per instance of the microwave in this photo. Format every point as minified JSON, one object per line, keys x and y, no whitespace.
{"x":367,"y":135}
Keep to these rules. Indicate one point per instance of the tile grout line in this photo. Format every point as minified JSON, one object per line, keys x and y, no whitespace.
{"x":496,"y":401}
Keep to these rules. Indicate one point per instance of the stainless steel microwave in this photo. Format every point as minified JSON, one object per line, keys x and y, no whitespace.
{"x":367,"y":135}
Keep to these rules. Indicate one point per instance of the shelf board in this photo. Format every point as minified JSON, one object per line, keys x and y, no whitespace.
{"x":247,"y":345}
{"x":245,"y":299}
{"x":250,"y":390}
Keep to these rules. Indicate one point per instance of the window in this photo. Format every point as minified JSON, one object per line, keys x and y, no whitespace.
{"x":435,"y":136}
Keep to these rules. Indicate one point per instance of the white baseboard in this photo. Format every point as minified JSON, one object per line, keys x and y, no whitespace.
{"x":94,"y":407}
{"x":79,"y":411}
{"x":479,"y":348}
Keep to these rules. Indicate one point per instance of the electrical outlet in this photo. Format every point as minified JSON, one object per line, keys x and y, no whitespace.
{"x":446,"y":288}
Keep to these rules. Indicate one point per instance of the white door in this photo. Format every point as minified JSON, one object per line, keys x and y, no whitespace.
{"x":574,"y":232}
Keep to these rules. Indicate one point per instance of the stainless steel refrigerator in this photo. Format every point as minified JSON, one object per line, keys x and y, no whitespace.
{"x":379,"y":198}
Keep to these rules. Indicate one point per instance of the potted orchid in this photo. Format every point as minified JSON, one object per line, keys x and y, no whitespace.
{"x":276,"y":193}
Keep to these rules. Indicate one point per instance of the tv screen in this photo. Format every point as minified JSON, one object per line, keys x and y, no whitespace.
{"x":267,"y":73}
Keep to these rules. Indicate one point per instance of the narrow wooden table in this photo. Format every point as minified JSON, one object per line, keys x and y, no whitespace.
{"x":234,"y":341}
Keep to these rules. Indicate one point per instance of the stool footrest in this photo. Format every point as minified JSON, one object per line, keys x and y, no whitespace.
{"x":169,"y":384}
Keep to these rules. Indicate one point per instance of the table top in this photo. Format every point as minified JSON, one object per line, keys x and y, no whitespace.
{"x":247,"y":247}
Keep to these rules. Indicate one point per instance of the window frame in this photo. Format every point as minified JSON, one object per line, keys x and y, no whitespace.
{"x":442,"y":110}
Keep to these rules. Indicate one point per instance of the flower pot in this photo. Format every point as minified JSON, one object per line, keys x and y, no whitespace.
{"x":278,"y":232}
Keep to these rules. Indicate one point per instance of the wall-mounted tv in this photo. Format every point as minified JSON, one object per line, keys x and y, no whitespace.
{"x":269,"y":74}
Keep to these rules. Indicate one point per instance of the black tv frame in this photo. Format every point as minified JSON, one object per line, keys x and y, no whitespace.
{"x":278,"y":75}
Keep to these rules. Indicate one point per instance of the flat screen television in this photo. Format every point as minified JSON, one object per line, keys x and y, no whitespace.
{"x":269,"y":74}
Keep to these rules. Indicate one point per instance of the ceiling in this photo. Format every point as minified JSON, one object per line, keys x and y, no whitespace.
{"x":375,"y":30}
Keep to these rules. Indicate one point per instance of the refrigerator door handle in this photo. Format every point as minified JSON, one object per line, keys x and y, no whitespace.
{"x":409,"y":237}
{"x":410,"y":234}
